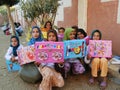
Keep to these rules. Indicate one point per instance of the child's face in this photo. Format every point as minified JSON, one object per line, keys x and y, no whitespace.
{"x":80,"y":35}
{"x":96,"y":36}
{"x":35,"y":33}
{"x":74,"y":31}
{"x":14,"y":42}
{"x":61,"y":31}
{"x":48,"y":26}
{"x":51,"y":37}
{"x":72,"y":35}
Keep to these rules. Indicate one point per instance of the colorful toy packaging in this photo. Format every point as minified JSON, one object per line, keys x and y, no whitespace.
{"x":26,"y":55}
{"x":49,"y":52}
{"x":74,"y":48}
{"x":12,"y":66}
{"x":100,"y":48}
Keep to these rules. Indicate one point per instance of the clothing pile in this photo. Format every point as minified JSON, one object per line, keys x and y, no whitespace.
{"x":116,"y":60}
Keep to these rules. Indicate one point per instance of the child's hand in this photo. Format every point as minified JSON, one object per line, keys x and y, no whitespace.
{"x":61,"y":63}
{"x":37,"y":63}
{"x":109,"y":58}
{"x":89,"y":57}
{"x":13,"y":59}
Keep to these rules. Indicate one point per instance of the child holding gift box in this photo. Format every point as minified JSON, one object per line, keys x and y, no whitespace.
{"x":72,"y":64}
{"x":81,"y":34}
{"x":50,"y":76}
{"x":29,"y":72}
{"x":98,"y":64}
{"x":11,"y":55}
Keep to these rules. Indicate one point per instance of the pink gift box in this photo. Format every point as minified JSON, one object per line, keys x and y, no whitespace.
{"x":26,"y":55}
{"x":49,"y":52}
{"x":100,"y":48}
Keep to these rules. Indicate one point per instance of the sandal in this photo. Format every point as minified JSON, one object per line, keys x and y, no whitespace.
{"x":103,"y":84}
{"x":91,"y":81}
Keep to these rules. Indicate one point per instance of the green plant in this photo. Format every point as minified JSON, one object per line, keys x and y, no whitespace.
{"x":42,"y":10}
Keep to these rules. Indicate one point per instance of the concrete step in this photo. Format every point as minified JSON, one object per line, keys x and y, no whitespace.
{"x":113,"y":70}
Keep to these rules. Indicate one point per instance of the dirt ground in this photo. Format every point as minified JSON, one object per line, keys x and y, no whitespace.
{"x":12,"y":81}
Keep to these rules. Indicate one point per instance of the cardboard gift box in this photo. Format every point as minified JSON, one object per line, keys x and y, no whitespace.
{"x":12,"y":66}
{"x":100,"y":48}
{"x":26,"y":55}
{"x":49,"y":52}
{"x":74,"y":48}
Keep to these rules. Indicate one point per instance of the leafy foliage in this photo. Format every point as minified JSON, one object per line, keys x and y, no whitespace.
{"x":43,"y":10}
{"x":3,"y":11}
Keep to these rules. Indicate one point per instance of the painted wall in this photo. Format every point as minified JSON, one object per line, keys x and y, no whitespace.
{"x":60,"y":11}
{"x":104,"y":16}
{"x":82,"y":14}
{"x":72,"y":12}
{"x":70,"y":15}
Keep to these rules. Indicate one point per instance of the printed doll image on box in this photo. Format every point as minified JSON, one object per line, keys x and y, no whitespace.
{"x":57,"y":55}
{"x":43,"y":56}
{"x":30,"y":54}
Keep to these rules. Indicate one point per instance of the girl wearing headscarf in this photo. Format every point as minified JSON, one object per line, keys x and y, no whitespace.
{"x":98,"y":64}
{"x":29,"y":72}
{"x":72,"y":64}
{"x":11,"y":55}
{"x":36,"y":35}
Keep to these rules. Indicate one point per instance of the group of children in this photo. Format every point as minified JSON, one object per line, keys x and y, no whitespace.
{"x":51,"y":77}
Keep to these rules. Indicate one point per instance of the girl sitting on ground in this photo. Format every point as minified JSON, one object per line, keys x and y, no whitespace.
{"x":72,"y":64}
{"x":11,"y":56}
{"x":51,"y":78}
{"x":98,"y":64}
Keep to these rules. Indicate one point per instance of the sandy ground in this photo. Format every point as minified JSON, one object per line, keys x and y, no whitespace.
{"x":12,"y":81}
